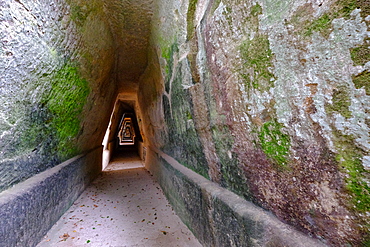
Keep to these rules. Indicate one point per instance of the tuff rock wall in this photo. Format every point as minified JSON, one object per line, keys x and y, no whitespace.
{"x":56,"y":86}
{"x":269,"y":99}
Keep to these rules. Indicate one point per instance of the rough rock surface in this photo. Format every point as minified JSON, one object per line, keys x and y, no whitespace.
{"x":29,"y":209}
{"x":56,"y":92}
{"x":267,"y":98}
{"x":270,"y":99}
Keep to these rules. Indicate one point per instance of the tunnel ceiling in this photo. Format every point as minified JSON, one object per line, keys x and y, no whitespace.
{"x":130,"y":25}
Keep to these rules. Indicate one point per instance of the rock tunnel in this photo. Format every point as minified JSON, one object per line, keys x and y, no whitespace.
{"x":252,"y":115}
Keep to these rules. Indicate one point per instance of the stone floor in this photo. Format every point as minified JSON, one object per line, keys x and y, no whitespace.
{"x":123,"y":207}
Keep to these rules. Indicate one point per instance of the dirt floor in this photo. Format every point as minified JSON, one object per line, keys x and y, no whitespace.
{"x":123,"y":207}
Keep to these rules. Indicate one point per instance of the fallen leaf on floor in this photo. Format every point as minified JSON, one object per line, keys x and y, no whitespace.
{"x":64,"y":237}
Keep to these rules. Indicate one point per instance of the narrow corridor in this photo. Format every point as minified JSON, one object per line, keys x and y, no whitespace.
{"x":124,"y":206}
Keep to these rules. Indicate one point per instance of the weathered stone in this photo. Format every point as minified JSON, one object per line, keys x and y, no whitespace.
{"x":31,"y":208}
{"x":217,"y":216}
{"x":279,"y":107}
{"x":56,"y":62}
{"x":267,"y":98}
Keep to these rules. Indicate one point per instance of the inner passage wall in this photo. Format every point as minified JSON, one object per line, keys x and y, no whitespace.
{"x":56,"y":86}
{"x":57,"y":91}
{"x":266,"y":99}
{"x":269,"y":100}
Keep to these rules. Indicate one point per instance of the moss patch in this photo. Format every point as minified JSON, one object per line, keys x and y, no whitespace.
{"x":167,"y":54}
{"x":349,"y":160}
{"x":361,"y":54}
{"x":78,"y":15}
{"x":65,"y":103}
{"x":32,"y":131}
{"x":188,"y":115}
{"x":364,"y":6}
{"x":190,"y":18}
{"x":340,"y":102}
{"x":256,"y":10}
{"x":275,"y":144}
{"x":167,"y":48}
{"x":366,"y":242}
{"x":321,"y":24}
{"x":339,"y":9}
{"x":362,"y":80}
{"x":257,"y":57}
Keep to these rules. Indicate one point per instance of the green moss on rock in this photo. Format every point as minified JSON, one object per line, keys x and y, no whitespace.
{"x":321,"y":24}
{"x":361,"y":54}
{"x":190,"y":18}
{"x":275,"y":144}
{"x":362,"y":81}
{"x":167,"y":54}
{"x":257,"y":57}
{"x":188,"y":115}
{"x":365,"y":11}
{"x":340,"y":102}
{"x":340,"y":9}
{"x":256,"y":10}
{"x":65,"y":103}
{"x":349,"y":158}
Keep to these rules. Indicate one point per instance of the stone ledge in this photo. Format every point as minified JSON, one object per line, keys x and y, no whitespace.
{"x":29,"y":209}
{"x":217,"y":216}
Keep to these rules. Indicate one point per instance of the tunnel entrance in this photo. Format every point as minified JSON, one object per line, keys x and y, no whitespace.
{"x":123,"y":135}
